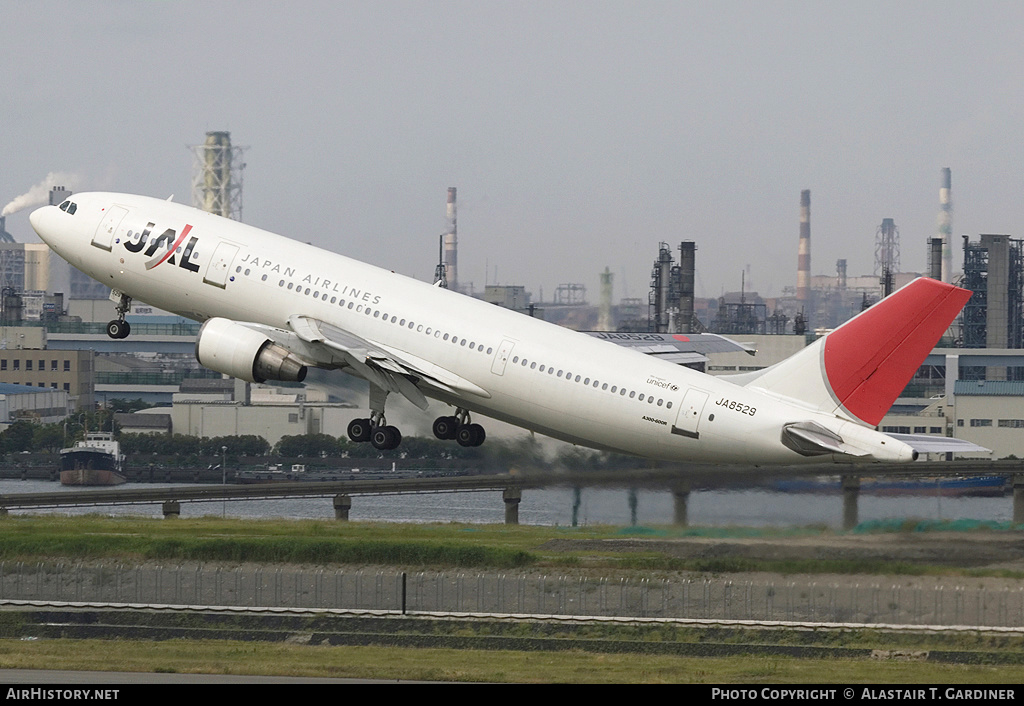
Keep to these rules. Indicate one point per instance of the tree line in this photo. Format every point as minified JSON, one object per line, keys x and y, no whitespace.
{"x":320,"y":449}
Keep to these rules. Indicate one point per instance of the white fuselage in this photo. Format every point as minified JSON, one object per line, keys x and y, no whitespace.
{"x":536,"y":375}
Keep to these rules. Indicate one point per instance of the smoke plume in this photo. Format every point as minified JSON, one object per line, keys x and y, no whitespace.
{"x":38,"y":195}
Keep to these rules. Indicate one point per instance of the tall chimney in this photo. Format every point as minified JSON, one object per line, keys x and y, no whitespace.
{"x":451,"y":244}
{"x":604,"y":317}
{"x":803,"y":263}
{"x":687,"y":268}
{"x":935,"y":258}
{"x":946,"y":225}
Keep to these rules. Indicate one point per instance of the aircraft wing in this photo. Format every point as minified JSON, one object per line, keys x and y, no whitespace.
{"x":386,"y":367}
{"x":926,"y":443}
{"x":678,"y":348}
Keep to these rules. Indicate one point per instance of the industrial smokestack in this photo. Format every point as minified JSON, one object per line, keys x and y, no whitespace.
{"x":661,"y":283}
{"x":38,"y":194}
{"x":217,"y":174}
{"x":451,"y":244}
{"x":687,"y":267}
{"x":935,"y":258}
{"x":946,"y":225}
{"x":58,"y":194}
{"x":803,"y":263}
{"x":604,"y":318}
{"x":887,"y":247}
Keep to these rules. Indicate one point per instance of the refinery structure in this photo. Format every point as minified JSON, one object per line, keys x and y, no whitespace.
{"x":46,"y":305}
{"x":217,"y":175}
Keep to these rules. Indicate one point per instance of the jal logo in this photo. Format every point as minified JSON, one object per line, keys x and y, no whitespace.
{"x":165,"y":246}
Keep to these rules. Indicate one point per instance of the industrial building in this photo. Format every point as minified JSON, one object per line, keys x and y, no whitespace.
{"x":71,"y":372}
{"x":21,"y":402}
{"x":205,"y":409}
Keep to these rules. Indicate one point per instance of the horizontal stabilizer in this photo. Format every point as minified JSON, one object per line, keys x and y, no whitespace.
{"x":925,"y":443}
{"x":678,"y":348}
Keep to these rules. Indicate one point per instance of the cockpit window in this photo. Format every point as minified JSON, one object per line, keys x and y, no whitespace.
{"x":69,"y":206}
{"x":64,"y":206}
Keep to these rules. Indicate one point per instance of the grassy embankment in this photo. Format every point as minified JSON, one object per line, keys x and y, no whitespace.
{"x":367,"y":662}
{"x":317,"y":542}
{"x":490,"y":546}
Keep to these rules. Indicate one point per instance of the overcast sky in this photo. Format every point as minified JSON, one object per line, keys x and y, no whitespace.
{"x":579,"y":134}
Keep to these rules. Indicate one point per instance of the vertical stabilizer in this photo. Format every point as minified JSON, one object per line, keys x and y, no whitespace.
{"x":858,"y":370}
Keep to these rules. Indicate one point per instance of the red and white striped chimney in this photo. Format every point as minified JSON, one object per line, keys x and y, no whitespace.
{"x":803,"y":262}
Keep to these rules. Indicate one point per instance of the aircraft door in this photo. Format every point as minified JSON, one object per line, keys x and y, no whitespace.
{"x":501,"y":359}
{"x":220,"y":264}
{"x":104,"y":235}
{"x":688,"y":417}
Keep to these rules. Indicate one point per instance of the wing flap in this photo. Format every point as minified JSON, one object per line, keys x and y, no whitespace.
{"x":384,"y":366}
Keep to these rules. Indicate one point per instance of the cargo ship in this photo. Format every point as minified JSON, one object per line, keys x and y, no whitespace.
{"x":95,"y":461}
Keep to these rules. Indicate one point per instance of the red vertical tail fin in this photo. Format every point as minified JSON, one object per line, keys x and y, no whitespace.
{"x":858,"y":370}
{"x":871,"y":358}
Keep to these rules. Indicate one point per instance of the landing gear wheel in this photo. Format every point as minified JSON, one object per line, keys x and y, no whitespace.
{"x":359,"y":430}
{"x":470,"y":435}
{"x":118,"y":329}
{"x":445,"y":428}
{"x":385,"y":438}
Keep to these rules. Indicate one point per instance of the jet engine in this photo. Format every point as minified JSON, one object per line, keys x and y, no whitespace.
{"x":244,"y":353}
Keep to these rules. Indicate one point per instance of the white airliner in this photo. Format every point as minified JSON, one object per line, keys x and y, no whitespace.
{"x":273,"y":307}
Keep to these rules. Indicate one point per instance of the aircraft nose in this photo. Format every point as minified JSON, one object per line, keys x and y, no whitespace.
{"x":38,"y":219}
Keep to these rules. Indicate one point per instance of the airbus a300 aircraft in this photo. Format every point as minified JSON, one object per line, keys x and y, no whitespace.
{"x":273,"y":307}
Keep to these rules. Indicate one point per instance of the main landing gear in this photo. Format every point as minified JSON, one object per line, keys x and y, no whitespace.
{"x":384,"y":437}
{"x":460,"y":428}
{"x":119,"y":328}
{"x":375,"y":429}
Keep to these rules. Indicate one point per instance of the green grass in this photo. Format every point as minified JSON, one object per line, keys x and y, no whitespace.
{"x":323,"y":542}
{"x":369,"y":662}
{"x":209,"y":539}
{"x":276,"y":541}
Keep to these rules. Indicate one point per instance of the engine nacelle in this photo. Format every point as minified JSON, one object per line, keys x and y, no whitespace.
{"x":241,"y":352}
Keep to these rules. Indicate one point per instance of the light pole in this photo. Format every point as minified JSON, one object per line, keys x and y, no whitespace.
{"x":224,"y":477}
